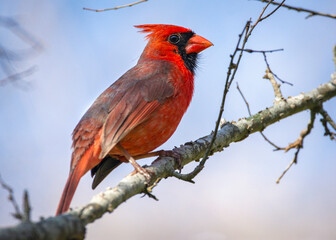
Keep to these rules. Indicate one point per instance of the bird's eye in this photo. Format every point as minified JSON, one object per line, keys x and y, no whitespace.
{"x":174,"y":38}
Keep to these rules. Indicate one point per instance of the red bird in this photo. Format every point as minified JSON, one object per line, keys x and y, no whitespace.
{"x":140,"y":111}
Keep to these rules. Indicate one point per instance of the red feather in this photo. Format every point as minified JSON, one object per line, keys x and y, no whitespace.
{"x":140,"y":111}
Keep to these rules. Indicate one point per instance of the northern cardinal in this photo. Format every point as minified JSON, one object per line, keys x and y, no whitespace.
{"x":138,"y":112}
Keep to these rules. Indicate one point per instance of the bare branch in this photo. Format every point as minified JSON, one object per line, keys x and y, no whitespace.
{"x":328,"y":118}
{"x":325,"y":120}
{"x":26,"y":207}
{"x":115,"y":8}
{"x":189,"y":176}
{"x":249,"y":112}
{"x":261,"y":51}
{"x":25,"y":216}
{"x":289,"y":166}
{"x":271,"y":13}
{"x":265,"y":59}
{"x":327,"y":132}
{"x":246,"y":103}
{"x":298,"y":144}
{"x":276,"y":76}
{"x":334,"y":58}
{"x":298,"y":9}
{"x":21,"y":33}
{"x":17,"y":214}
{"x":275,"y":85}
{"x":14,"y":78}
{"x":8,"y":57}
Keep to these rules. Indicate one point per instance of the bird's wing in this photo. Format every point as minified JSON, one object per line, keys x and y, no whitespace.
{"x":147,"y":89}
{"x":121,"y":107}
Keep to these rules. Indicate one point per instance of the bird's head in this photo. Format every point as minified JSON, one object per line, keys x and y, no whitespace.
{"x":173,"y":43}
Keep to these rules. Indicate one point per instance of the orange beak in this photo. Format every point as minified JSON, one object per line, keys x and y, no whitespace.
{"x":197,"y":44}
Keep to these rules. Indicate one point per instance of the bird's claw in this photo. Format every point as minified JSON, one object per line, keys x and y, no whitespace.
{"x":144,"y":172}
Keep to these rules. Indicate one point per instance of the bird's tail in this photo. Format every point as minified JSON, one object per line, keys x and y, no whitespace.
{"x":69,"y":190}
{"x":78,"y":168}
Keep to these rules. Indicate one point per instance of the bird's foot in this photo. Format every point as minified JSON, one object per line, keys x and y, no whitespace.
{"x":144,"y":172}
{"x":138,"y":169}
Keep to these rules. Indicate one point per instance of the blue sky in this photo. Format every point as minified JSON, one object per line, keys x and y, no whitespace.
{"x":235,"y":197}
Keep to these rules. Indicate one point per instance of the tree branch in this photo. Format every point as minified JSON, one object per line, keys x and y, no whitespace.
{"x":298,"y":9}
{"x":275,"y":85}
{"x":17,"y":214}
{"x":298,"y":144}
{"x":115,"y":8}
{"x":8,"y":57}
{"x":265,"y":59}
{"x":328,"y":118}
{"x":250,"y":114}
{"x":325,"y":120}
{"x":72,"y":224}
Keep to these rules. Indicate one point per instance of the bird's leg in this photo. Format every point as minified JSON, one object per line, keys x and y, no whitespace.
{"x":163,"y":153}
{"x":137,"y":167}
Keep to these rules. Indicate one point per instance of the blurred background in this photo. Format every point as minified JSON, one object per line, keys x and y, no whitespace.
{"x":235,"y":196}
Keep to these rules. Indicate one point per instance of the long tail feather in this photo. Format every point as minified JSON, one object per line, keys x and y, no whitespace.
{"x":79,"y":166}
{"x":69,"y":191}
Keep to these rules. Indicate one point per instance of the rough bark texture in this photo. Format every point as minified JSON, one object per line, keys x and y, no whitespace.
{"x":64,"y":227}
{"x":72,"y":224}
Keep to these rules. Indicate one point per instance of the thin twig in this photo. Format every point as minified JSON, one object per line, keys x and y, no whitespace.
{"x":276,"y":76}
{"x":26,"y":207}
{"x":261,"y":51}
{"x":18,"y":76}
{"x":188,"y":177}
{"x":275,"y":85}
{"x":17,"y":214}
{"x":246,"y":103}
{"x":334,"y":55}
{"x":328,"y":118}
{"x":298,"y":144}
{"x":311,"y":12}
{"x":249,"y":112}
{"x":7,"y":57}
{"x":327,"y":132}
{"x":232,"y":70}
{"x":325,"y":120}
{"x":115,"y":8}
{"x":265,"y":58}
{"x":280,"y":4}
{"x":289,"y":166}
{"x":21,"y":33}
